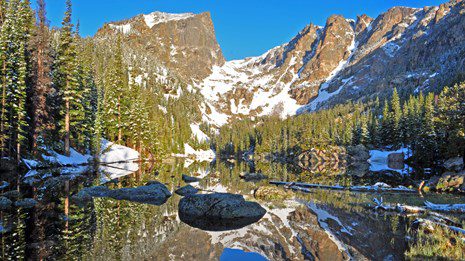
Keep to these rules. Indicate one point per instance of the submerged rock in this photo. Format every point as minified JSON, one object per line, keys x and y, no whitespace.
{"x":7,"y":165}
{"x":155,"y":193}
{"x":358,"y":153}
{"x":219,"y":211}
{"x":454,"y":164}
{"x":451,"y":181}
{"x":189,"y":179}
{"x":26,"y":203}
{"x":12,"y":194}
{"x":186,"y":191}
{"x":252,"y":176}
{"x":272,"y":193}
{"x":5,"y":203}
{"x":4,"y":185}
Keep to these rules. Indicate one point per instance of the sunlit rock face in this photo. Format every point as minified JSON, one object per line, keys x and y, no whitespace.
{"x":413,"y":49}
{"x":183,"y":43}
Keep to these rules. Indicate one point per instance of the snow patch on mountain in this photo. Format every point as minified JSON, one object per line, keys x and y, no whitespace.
{"x":323,"y":93}
{"x":155,"y":18}
{"x":266,"y":96}
{"x":125,"y":28}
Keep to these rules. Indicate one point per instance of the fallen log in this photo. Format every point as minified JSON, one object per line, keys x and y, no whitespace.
{"x":458,"y":208}
{"x":378,"y":187}
{"x":422,"y":221}
{"x":414,"y":211}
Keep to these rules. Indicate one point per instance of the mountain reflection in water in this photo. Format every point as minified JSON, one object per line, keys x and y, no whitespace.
{"x":328,"y":225}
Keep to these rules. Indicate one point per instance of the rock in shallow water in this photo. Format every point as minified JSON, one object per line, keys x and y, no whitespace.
{"x":4,"y":185}
{"x":252,"y":176}
{"x":5,"y":203}
{"x":12,"y":194}
{"x":186,"y":191}
{"x":155,"y":194}
{"x":189,"y":179}
{"x":272,"y":193}
{"x":219,"y":211}
{"x":26,"y":203}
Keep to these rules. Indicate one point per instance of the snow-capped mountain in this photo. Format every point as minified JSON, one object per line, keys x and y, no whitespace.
{"x":408,"y":48}
{"x":183,"y":43}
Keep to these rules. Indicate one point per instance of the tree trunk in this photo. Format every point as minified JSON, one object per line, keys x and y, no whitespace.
{"x":2,"y":119}
{"x":67,"y":150}
{"x":463,"y":157}
{"x":120,"y":133}
{"x":18,"y":152}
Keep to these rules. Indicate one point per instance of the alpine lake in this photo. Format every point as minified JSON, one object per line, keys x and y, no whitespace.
{"x":318,"y":224}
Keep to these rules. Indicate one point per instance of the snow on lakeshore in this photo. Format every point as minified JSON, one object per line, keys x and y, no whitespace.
{"x":379,"y":160}
{"x":112,"y":153}
{"x":117,"y":170}
{"x":199,"y":134}
{"x":55,"y":159}
{"x":199,"y":155}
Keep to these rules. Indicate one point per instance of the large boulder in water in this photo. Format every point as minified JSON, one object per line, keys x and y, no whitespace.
{"x":358,"y":153}
{"x":154,"y":193}
{"x":186,"y":191}
{"x":26,"y":203}
{"x":189,"y":179}
{"x":5,"y":203}
{"x":272,"y":193}
{"x":451,"y":181}
{"x":396,"y":160}
{"x":454,"y":164}
{"x":252,"y":176}
{"x":219,"y":211}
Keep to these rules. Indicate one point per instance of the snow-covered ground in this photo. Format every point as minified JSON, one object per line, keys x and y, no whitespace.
{"x":111,"y":153}
{"x":379,"y":160}
{"x":117,"y":170}
{"x":199,"y":134}
{"x":267,"y":96}
{"x":199,"y":155}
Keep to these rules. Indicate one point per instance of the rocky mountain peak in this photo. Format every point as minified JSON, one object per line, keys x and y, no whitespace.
{"x":157,"y":17}
{"x":412,"y":49}
{"x":184,"y":43}
{"x":363,"y":23}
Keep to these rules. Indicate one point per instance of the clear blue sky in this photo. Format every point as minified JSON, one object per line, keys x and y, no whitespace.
{"x":243,"y":27}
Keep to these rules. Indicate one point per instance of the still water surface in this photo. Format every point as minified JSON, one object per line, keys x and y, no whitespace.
{"x":328,"y":225}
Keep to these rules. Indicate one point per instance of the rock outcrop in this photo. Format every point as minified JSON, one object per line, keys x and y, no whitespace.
{"x":413,"y":49}
{"x":154,"y":193}
{"x":409,"y":48}
{"x":219,"y":211}
{"x":183,"y":43}
{"x":186,"y":191}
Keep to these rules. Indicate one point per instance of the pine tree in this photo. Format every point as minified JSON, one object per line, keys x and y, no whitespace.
{"x":65,"y":78}
{"x":114,"y":94}
{"x":42,"y":80}
{"x":15,"y":37}
{"x":396,"y":115}
{"x":451,"y":119}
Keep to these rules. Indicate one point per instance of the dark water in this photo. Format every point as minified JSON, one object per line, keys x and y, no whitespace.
{"x":326,"y":225}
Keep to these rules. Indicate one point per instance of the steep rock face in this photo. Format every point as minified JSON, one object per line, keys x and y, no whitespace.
{"x":334,"y":47}
{"x":183,"y":43}
{"x":413,"y":49}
